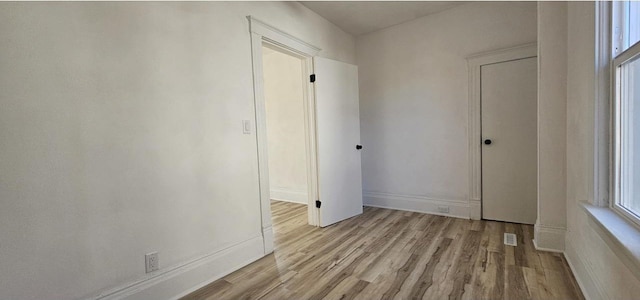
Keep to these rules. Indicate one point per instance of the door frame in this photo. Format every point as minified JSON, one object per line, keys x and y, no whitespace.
{"x":262,"y":33}
{"x":475,"y":63}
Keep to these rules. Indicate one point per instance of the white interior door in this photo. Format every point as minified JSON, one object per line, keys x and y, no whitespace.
{"x":338,"y":134}
{"x":509,"y":122}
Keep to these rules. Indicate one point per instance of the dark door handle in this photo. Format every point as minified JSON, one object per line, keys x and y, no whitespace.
{"x":358,"y":147}
{"x":487,"y":142}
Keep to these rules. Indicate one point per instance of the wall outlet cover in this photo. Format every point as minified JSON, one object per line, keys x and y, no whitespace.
{"x":151,"y":262}
{"x":443,"y":209}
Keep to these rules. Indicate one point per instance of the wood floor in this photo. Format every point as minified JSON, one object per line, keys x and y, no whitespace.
{"x":389,"y":254}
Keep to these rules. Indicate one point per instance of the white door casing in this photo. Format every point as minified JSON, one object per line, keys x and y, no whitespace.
{"x":262,"y":33}
{"x":474,"y":64}
{"x":338,"y":134}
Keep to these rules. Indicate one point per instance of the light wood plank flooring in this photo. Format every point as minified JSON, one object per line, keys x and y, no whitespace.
{"x":390,"y":254}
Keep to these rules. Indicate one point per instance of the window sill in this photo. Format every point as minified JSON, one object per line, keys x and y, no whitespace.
{"x":622,"y":237}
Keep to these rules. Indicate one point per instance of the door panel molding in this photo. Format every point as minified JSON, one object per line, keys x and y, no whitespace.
{"x":474,"y":64}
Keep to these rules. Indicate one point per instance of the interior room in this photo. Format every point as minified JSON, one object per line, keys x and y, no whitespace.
{"x":319,"y":150}
{"x":287,"y":133}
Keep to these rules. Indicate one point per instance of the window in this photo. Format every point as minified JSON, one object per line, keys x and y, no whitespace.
{"x":626,"y":25}
{"x":626,"y":121}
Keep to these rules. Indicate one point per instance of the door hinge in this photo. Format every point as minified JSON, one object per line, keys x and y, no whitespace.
{"x":318,"y":203}
{"x":312,"y":78}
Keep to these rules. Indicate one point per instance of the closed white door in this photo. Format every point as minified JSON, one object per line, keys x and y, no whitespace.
{"x":338,"y":137}
{"x":509,"y":141}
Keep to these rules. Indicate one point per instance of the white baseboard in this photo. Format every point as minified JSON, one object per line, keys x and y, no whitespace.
{"x":581,"y":276}
{"x":181,"y":280}
{"x":457,"y":208}
{"x":475,"y":209}
{"x":535,"y":245}
{"x":267,"y":233}
{"x":549,"y":238}
{"x":289,"y":196}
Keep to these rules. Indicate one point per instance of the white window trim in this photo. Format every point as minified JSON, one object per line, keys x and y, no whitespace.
{"x":620,"y":235}
{"x":619,"y":232}
{"x":602,"y":111}
{"x":631,"y":53}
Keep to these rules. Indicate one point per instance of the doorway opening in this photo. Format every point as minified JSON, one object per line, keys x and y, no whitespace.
{"x":284,"y":81}
{"x":331,"y":129}
{"x":265,"y":37}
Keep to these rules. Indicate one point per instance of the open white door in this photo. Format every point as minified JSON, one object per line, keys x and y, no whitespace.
{"x":338,"y":135}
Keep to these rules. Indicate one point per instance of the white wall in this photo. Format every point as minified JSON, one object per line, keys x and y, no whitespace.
{"x":414,"y":101}
{"x":602,"y":274}
{"x":121,"y":134}
{"x":552,"y":109}
{"x":283,"y":95}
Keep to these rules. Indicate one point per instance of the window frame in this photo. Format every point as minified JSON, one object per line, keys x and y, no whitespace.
{"x":628,"y":55}
{"x":619,"y":232}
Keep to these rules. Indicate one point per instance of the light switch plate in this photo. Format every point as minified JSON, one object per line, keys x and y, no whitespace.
{"x":246,"y":126}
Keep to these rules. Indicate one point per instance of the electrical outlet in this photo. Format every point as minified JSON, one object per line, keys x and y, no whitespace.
{"x":151,"y":262}
{"x":443,"y":209}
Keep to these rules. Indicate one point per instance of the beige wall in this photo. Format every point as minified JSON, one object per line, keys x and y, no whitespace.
{"x":414,"y":101}
{"x":283,"y":92}
{"x":121,"y":134}
{"x":552,"y":122}
{"x":602,"y":274}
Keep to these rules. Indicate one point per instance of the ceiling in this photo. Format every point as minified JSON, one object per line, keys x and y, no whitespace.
{"x":360,"y":17}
